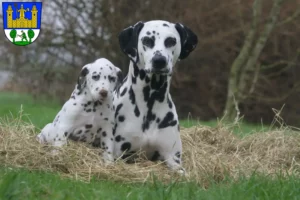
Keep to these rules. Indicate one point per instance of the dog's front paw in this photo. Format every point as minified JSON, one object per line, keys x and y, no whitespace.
{"x":108,"y":159}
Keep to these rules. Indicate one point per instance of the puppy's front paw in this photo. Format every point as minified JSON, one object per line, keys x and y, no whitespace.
{"x":40,"y":138}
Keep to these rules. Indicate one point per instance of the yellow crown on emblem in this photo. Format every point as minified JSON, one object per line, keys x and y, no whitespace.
{"x":22,"y":22}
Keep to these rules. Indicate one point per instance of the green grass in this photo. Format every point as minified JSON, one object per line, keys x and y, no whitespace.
{"x":24,"y":184}
{"x":38,"y":112}
{"x":42,"y":112}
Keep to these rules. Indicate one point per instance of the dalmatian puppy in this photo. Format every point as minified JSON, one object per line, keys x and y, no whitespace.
{"x":88,"y":115}
{"x":145,"y":115}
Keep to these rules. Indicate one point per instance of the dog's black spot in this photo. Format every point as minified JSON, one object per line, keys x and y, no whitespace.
{"x":86,"y":131}
{"x":153,"y":32}
{"x":133,"y":79}
{"x":147,"y":120}
{"x":148,"y":41}
{"x":170,"y":42}
{"x":148,"y":33}
{"x":66,"y":134}
{"x":118,"y":109}
{"x":74,"y":138}
{"x":79,"y":132}
{"x":167,"y":121}
{"x":157,"y":120}
{"x":146,"y":92}
{"x":177,"y":161}
{"x":108,"y":106}
{"x":178,"y":127}
{"x":94,"y":110}
{"x":155,"y":156}
{"x":147,"y":79}
{"x":121,"y":118}
{"x":88,"y":110}
{"x":135,"y":70}
{"x":104,"y":134}
{"x":124,"y":91}
{"x":83,"y":138}
{"x":74,"y":104}
{"x":96,"y":142}
{"x":97,"y":89}
{"x":159,"y":87}
{"x":164,"y":24}
{"x":72,"y":97}
{"x":114,"y":129}
{"x":118,"y":138}
{"x":88,"y":126}
{"x":126,"y":146}
{"x":106,"y":119}
{"x":136,"y":111}
{"x":131,"y":95}
{"x":158,"y":81}
{"x":178,"y":154}
{"x":142,"y":74}
{"x":89,"y":103}
{"x":172,"y":52}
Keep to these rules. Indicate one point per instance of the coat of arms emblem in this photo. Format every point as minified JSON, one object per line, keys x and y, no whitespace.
{"x":22,"y":21}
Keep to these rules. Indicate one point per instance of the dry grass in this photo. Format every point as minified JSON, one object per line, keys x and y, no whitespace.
{"x":208,"y":153}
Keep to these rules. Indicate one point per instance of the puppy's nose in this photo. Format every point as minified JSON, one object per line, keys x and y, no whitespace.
{"x":159,"y":62}
{"x":103,"y":93}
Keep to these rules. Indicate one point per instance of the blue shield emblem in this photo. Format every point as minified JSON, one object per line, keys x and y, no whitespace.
{"x":22,"y":21}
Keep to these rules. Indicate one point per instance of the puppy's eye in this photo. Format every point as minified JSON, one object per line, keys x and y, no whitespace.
{"x":112,"y":79}
{"x":96,"y":77}
{"x":148,"y":42}
{"x":170,"y":42}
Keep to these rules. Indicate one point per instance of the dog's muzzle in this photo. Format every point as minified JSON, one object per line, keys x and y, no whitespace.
{"x":159,"y":64}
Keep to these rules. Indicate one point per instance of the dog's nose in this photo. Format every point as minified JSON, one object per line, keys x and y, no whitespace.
{"x":159,"y":62}
{"x":103,"y":93}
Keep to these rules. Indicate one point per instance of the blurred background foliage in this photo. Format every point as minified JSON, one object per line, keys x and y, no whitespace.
{"x":77,"y":32}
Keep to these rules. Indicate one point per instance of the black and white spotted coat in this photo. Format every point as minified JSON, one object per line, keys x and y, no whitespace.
{"x":145,"y":115}
{"x":87,"y":116}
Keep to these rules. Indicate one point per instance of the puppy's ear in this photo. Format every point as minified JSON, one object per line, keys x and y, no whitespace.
{"x":188,"y":40}
{"x":128,"y":40}
{"x":81,"y":81}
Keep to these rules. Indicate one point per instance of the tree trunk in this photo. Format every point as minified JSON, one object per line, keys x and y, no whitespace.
{"x":244,"y":66}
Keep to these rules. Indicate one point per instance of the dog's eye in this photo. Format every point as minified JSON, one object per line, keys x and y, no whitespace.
{"x":170,"y":42}
{"x":111,"y":79}
{"x":96,"y":77}
{"x":148,"y":42}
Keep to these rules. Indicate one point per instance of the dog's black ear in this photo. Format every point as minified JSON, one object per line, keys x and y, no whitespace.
{"x":81,"y":81}
{"x":188,"y":39}
{"x":119,"y":77}
{"x":128,"y":40}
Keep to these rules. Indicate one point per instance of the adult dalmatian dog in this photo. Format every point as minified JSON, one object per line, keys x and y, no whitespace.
{"x":88,"y":115}
{"x":145,"y":115}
